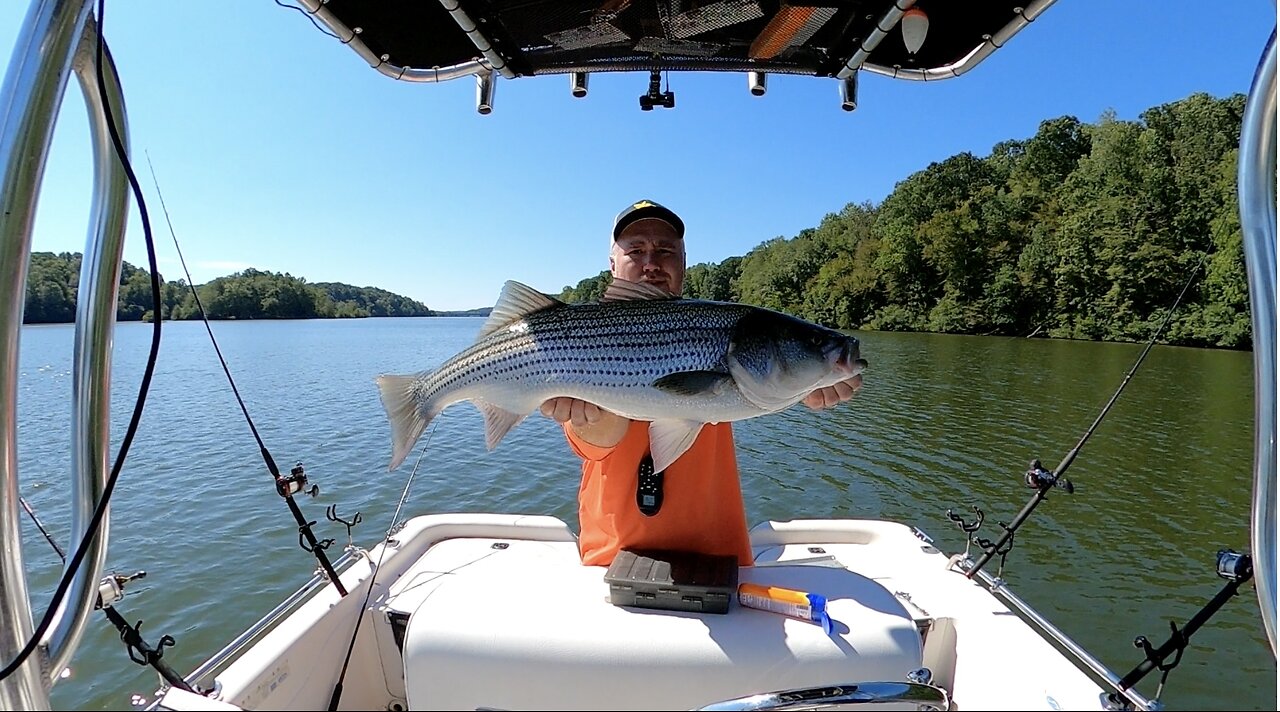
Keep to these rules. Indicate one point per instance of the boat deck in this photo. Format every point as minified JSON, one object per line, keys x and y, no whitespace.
{"x":496,"y":611}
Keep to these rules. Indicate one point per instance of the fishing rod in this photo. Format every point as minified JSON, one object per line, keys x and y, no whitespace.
{"x":296,"y":481}
{"x":140,"y":651}
{"x":1237,"y":569}
{"x":47,"y":536}
{"x":336,"y":696}
{"x":1043,"y":480}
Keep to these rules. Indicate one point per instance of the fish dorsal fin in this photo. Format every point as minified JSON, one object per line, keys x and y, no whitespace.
{"x":516,"y":302}
{"x":620,"y":290}
{"x":669,"y":439}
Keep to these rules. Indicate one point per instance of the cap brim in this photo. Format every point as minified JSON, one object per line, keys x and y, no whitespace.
{"x":656,"y":212}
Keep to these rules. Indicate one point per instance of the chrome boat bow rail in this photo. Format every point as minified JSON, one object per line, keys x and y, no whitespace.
{"x":57,"y":37}
{"x":1257,"y":187}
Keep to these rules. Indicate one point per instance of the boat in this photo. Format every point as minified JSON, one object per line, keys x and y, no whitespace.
{"x":495,"y":610}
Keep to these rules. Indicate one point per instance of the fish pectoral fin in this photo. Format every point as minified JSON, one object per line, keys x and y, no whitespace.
{"x":692,"y":383}
{"x":497,"y":422}
{"x":516,"y":302}
{"x":669,"y":439}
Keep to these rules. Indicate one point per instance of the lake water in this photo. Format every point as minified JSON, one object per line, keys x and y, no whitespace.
{"x":942,"y":422}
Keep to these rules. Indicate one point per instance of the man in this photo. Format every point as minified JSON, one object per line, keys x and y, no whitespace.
{"x":696,"y":504}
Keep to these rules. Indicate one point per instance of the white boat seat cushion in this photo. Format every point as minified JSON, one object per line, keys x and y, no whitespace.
{"x":531,"y":628}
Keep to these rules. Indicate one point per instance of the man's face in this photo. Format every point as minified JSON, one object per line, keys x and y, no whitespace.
{"x":649,"y":251}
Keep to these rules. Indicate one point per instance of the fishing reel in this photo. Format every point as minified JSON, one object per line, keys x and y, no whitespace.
{"x":1039,"y":478}
{"x":111,"y":588}
{"x":1234,"y":566}
{"x":295,"y":482}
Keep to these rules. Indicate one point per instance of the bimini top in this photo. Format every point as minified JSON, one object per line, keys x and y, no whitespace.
{"x":439,"y":40}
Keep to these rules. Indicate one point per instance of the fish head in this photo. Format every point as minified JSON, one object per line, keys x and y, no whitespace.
{"x":777,"y":359}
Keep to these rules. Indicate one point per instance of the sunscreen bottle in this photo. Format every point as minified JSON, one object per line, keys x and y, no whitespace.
{"x":809,"y":607}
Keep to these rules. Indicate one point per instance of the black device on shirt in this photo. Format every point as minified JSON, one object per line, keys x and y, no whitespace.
{"x":648,"y":488}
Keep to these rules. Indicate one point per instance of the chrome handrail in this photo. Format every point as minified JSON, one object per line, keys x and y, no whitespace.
{"x":888,"y":21}
{"x":482,"y":43}
{"x":29,"y":101}
{"x":383,"y":64}
{"x":1025,"y":17}
{"x":1055,"y":635}
{"x":268,"y":622}
{"x":95,"y":325}
{"x":872,"y":693}
{"x":1257,"y":193}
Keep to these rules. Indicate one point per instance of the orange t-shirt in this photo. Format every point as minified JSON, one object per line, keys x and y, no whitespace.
{"x":701,"y":511}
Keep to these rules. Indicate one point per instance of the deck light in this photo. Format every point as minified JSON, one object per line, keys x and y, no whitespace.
{"x":578,"y":83}
{"x":757,"y":82}
{"x":915,"y":26}
{"x":484,"y":93}
{"x":849,"y":92}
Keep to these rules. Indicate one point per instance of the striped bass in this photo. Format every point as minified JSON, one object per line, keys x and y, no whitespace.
{"x":639,"y":352}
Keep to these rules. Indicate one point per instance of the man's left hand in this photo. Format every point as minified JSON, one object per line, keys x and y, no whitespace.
{"x":833,"y":395}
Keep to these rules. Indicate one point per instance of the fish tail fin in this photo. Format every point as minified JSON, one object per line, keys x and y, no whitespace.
{"x":407,"y":420}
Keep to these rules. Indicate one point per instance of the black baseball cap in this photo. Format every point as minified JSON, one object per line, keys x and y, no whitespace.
{"x":642,"y":209}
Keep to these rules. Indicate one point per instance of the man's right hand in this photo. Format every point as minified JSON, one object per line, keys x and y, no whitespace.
{"x":572,"y":410}
{"x":589,"y":421}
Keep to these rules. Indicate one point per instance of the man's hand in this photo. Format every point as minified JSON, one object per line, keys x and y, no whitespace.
{"x":592,"y":423}
{"x":571,"y":410}
{"x":832,"y":395}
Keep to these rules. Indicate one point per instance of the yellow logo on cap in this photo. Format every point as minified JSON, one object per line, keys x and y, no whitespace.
{"x":644,"y":204}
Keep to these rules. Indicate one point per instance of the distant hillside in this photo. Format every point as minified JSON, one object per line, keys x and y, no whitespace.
{"x":371,"y":301}
{"x":52,"y":283}
{"x":483,"y":311}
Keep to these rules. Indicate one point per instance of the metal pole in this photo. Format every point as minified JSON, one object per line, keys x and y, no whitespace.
{"x":29,"y":103}
{"x":95,"y":324}
{"x":1257,"y":186}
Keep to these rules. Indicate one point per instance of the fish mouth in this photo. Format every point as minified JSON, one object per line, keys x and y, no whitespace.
{"x":847,"y":362}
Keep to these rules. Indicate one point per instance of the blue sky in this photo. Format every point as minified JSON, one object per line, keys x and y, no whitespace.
{"x":278,"y":148}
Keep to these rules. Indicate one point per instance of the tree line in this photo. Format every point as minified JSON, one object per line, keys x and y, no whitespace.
{"x":1083,"y":231}
{"x":52,"y":283}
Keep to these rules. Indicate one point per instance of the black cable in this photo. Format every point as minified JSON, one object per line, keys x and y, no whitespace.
{"x":99,"y":512}
{"x":304,"y":527}
{"x":309,"y":17}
